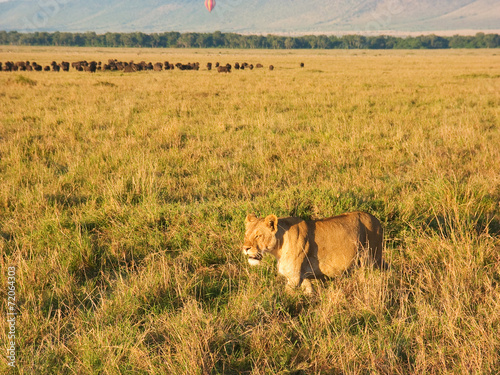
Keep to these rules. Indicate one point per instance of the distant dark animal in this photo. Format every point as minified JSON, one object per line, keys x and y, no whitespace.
{"x":80,"y":65}
{"x":271,"y":67}
{"x":236,"y":65}
{"x":224,"y":69}
{"x":129,"y":68}
{"x":9,"y":66}
{"x":158,"y":67}
{"x":118,"y":66}
{"x":55,"y":66}
{"x":46,"y":68}
{"x":209,"y":66}
{"x":301,"y":64}
{"x":188,"y":66}
{"x":65,"y":66}
{"x":167,"y":65}
{"x":259,"y":66}
{"x":91,"y":67}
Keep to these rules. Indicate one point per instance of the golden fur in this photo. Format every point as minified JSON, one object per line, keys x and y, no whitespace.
{"x":308,"y":249}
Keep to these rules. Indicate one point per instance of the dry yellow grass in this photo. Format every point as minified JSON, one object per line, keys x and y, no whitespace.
{"x":122,"y":200}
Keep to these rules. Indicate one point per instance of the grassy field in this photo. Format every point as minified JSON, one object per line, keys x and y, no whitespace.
{"x":123,"y":198}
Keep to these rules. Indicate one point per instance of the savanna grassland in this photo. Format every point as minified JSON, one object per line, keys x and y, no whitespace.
{"x":123,"y":197}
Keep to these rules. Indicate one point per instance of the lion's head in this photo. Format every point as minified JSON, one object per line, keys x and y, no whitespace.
{"x":260,"y":236}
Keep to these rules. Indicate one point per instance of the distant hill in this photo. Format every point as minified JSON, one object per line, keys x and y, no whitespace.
{"x":251,"y":16}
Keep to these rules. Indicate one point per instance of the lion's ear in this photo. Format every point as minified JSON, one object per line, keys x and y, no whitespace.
{"x":250,"y":218}
{"x":272,"y":223}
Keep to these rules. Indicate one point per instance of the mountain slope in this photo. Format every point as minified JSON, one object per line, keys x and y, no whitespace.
{"x":250,"y":16}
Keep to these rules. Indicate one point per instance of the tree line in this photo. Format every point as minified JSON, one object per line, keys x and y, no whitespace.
{"x":218,"y":39}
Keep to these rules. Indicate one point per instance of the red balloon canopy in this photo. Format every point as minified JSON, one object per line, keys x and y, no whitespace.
{"x":210,"y":4}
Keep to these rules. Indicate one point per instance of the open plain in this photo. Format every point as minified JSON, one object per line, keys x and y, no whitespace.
{"x":123,"y":198}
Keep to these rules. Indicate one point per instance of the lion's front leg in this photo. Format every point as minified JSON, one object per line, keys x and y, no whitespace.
{"x":292,"y":274}
{"x":294,"y":282}
{"x":307,"y":286}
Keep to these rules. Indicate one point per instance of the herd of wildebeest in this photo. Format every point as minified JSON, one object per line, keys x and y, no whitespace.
{"x":127,"y":67}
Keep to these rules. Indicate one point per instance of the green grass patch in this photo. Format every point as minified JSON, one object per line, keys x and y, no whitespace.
{"x":26,"y":81}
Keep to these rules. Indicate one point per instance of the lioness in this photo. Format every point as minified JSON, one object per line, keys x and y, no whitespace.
{"x":308,"y":249}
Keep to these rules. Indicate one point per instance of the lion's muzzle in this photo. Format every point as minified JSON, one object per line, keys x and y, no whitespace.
{"x":254,"y":255}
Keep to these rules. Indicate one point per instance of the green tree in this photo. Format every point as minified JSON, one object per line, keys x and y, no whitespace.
{"x":112,"y":39}
{"x":204,"y":40}
{"x":492,"y":40}
{"x":218,"y":39}
{"x":139,"y":39}
{"x":126,"y":40}
{"x":354,"y":41}
{"x":290,"y":43}
{"x":186,"y":40}
{"x":172,"y":38}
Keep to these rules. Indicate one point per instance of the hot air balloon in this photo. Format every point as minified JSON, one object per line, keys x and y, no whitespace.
{"x":210,"y":4}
